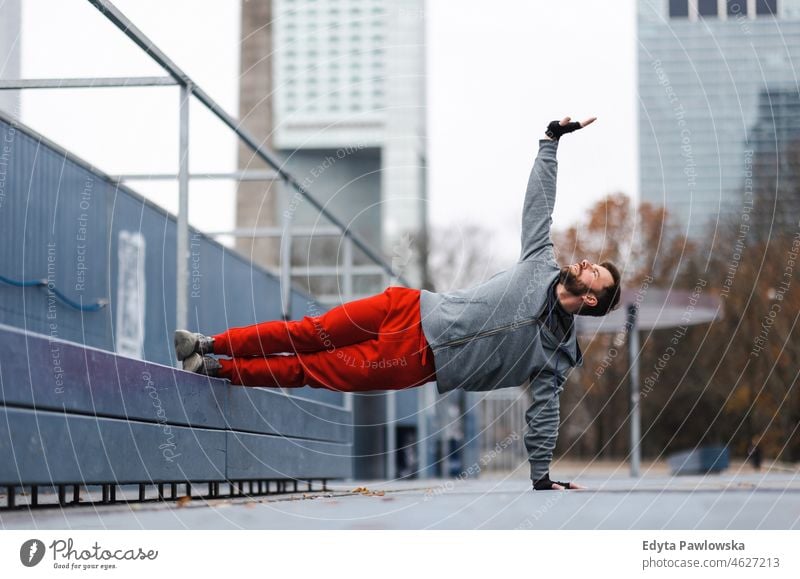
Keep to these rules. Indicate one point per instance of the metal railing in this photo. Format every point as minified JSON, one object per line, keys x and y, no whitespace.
{"x":188,"y":88}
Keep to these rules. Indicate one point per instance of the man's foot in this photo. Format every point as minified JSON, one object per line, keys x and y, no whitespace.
{"x":205,"y":365}
{"x":188,"y":343}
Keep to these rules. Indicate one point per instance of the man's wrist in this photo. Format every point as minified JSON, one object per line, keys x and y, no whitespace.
{"x":543,"y":484}
{"x":539,"y":469}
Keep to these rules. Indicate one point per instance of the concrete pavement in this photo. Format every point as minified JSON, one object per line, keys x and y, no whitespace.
{"x":736,"y":499}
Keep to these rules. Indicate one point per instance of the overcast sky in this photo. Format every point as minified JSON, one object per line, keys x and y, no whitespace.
{"x":497,"y":73}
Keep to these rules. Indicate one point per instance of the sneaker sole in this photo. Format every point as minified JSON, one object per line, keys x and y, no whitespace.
{"x":185,"y":343}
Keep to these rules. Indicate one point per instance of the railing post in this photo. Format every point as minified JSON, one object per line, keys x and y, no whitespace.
{"x":182,"y":261}
{"x":633,"y":360}
{"x":391,"y":427}
{"x":286,"y":252}
{"x":422,"y":431}
{"x":347,"y":290}
{"x":347,"y":269}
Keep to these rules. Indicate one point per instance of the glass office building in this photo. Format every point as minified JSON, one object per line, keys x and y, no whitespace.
{"x":719,"y":108}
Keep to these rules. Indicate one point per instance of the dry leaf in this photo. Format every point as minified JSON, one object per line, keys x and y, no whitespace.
{"x":183,"y":501}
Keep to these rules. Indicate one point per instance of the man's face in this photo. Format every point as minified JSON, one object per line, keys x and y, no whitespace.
{"x":582,"y":277}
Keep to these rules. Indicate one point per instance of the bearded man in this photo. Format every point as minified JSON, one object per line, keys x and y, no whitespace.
{"x":516,"y":327}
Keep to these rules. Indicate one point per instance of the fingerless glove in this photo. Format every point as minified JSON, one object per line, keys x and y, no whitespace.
{"x":545,"y":484}
{"x":555,"y":129}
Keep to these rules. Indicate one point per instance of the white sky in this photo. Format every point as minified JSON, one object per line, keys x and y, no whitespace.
{"x":497,"y":73}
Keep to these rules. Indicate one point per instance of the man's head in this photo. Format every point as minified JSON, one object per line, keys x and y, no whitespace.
{"x":590,"y":289}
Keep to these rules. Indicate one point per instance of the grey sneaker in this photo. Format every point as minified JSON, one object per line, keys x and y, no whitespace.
{"x":202,"y":365}
{"x":188,"y":343}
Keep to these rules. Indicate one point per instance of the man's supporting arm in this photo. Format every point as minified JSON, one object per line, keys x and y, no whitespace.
{"x":540,"y":198}
{"x":542,"y":419}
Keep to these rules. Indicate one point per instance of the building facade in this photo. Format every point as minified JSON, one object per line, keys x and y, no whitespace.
{"x":718,"y":105}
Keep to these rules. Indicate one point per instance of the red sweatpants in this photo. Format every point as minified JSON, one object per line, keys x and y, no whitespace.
{"x":374,"y":343}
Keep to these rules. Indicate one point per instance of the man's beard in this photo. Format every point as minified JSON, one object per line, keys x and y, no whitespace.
{"x":571,"y":283}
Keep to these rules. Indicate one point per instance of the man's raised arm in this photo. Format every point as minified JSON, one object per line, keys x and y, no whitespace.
{"x":540,"y":197}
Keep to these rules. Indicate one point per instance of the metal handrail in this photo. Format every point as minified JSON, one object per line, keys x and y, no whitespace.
{"x":131,"y":31}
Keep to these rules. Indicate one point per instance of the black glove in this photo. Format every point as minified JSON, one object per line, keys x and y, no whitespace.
{"x":545,"y":484}
{"x":555,"y":129}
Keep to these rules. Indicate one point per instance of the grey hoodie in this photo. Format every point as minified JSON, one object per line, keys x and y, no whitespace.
{"x":491,"y":336}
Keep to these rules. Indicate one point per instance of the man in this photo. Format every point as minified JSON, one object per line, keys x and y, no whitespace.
{"x":516,"y":326}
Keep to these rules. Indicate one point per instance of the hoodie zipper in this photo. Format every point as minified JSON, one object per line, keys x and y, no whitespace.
{"x":500,"y":329}
{"x":486,"y":333}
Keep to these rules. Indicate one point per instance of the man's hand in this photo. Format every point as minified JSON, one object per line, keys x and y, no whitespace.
{"x":557,"y":128}
{"x":545,"y":484}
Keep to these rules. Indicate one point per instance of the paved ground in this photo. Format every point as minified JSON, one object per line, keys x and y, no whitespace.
{"x":736,"y":499}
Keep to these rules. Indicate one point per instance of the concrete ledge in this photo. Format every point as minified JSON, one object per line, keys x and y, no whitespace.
{"x":73,"y":414}
{"x":253,"y":456}
{"x":39,"y":447}
{"x":58,"y":375}
{"x":266,"y":411}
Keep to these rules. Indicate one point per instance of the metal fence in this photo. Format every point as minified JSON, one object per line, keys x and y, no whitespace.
{"x":502,"y":429}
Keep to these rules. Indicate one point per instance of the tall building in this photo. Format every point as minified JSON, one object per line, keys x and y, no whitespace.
{"x":337,"y":87}
{"x":10,"y":50}
{"x":718,"y":86}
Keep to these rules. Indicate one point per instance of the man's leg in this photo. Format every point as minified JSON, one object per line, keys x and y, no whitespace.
{"x":369,"y":365}
{"x":350,"y":323}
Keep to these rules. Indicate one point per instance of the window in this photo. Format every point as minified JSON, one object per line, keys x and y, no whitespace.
{"x":707,"y":7}
{"x":767,"y":7}
{"x":737,"y":7}
{"x":678,"y":8}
